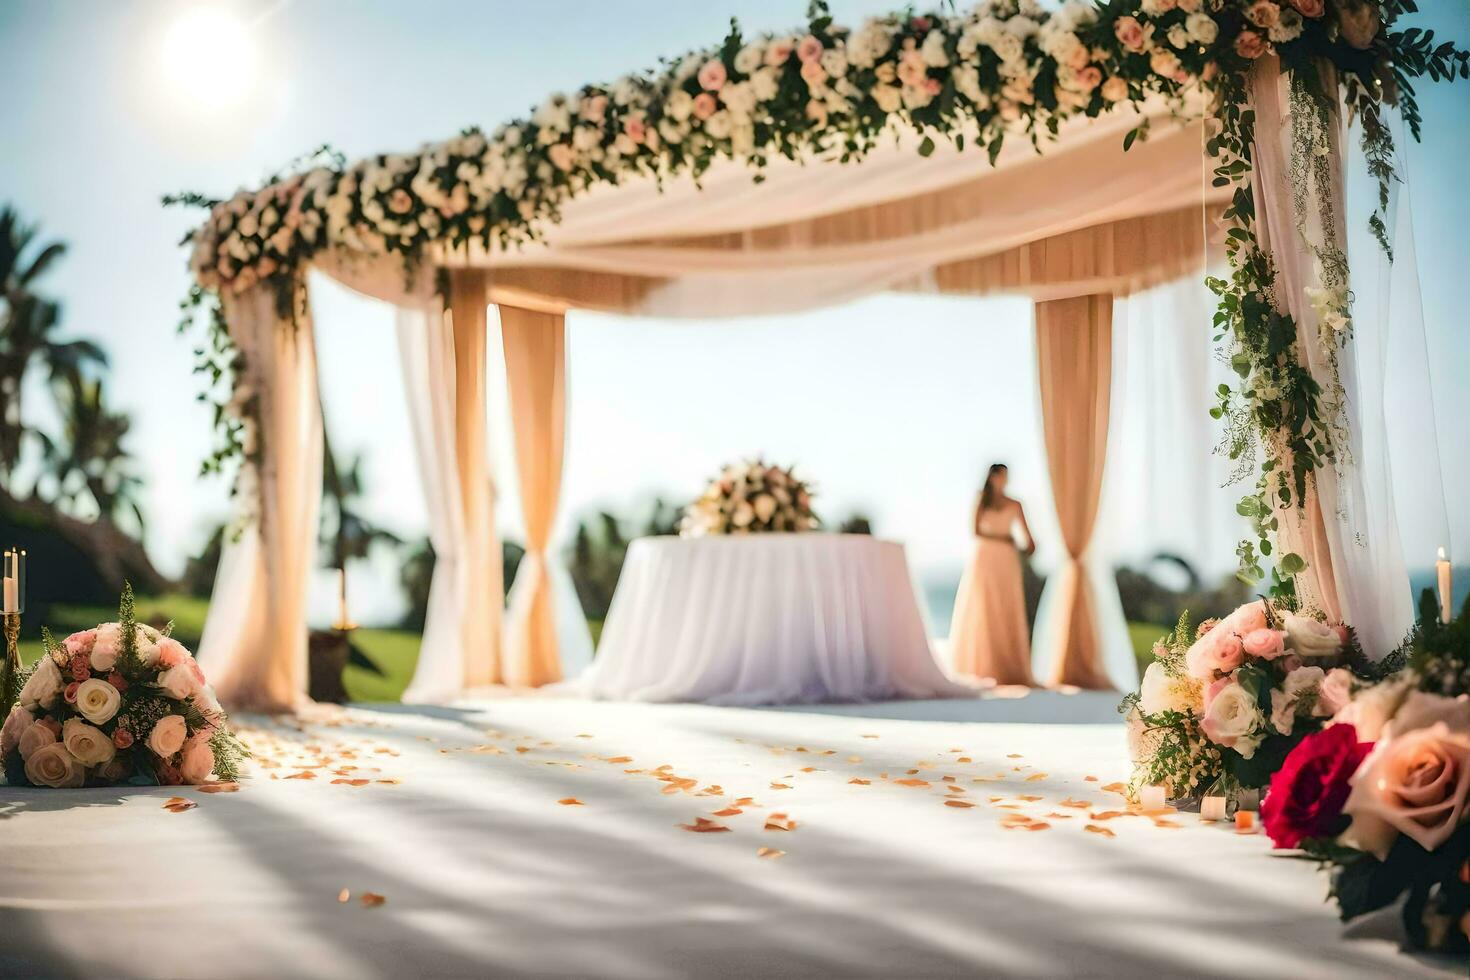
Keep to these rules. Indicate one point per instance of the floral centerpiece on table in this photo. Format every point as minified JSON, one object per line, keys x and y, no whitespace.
{"x":750,"y":497}
{"x":1221,"y":706}
{"x":1382,"y":795}
{"x":120,"y":703}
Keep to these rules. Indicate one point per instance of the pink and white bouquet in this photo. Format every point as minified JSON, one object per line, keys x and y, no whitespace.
{"x":1225,"y":704}
{"x":1382,"y":795}
{"x":750,"y":497}
{"x":120,"y":703}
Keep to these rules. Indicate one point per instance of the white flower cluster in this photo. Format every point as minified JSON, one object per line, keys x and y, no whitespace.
{"x":750,"y":497}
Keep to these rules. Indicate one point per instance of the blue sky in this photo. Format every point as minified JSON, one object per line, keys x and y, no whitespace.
{"x":893,"y":405}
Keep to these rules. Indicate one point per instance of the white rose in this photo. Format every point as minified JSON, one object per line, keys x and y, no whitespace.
{"x":765,"y":83}
{"x":208,"y":702}
{"x":34,"y":738}
{"x":53,"y":766}
{"x":16,"y":723}
{"x":749,"y":58}
{"x":108,"y":643}
{"x":89,"y":746}
{"x":1233,"y":719}
{"x":933,"y":51}
{"x":97,"y":700}
{"x":43,"y":686}
{"x":765,"y":506}
{"x":1284,"y":700}
{"x":834,"y":61}
{"x":680,"y":104}
{"x":1202,"y":27}
{"x":168,"y":735}
{"x":743,"y":514}
{"x":1179,"y":35}
{"x":1309,"y":638}
{"x":888,"y":97}
{"x":1160,"y":692}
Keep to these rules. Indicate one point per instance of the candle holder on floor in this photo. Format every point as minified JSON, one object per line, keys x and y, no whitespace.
{"x":12,"y":604}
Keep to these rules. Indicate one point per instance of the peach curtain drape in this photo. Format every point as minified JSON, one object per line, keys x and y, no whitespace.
{"x":254,"y":642}
{"x":481,"y":617}
{"x":1074,"y":351}
{"x":535,"y":371}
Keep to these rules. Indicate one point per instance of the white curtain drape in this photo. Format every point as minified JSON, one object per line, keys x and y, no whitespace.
{"x":254,"y":646}
{"x":1360,"y":579}
{"x":443,"y":355}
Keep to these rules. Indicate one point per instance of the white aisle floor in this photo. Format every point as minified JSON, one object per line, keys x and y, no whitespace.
{"x":486,"y":874}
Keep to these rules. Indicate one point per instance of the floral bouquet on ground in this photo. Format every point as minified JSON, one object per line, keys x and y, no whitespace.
{"x":121,"y":703}
{"x":1220,"y":707}
{"x":1381,"y":797}
{"x":750,"y":497}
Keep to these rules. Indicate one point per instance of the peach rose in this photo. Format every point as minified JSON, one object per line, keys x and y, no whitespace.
{"x":1268,"y":644}
{"x":1250,"y":45}
{"x":1415,"y":784}
{"x":777,"y":52}
{"x":1220,"y":651}
{"x":88,"y":745}
{"x":813,"y":73}
{"x":1129,"y":32}
{"x":1263,"y":13}
{"x":171,"y":653}
{"x":168,"y":735}
{"x":1335,"y":692}
{"x":16,"y":723}
{"x":1309,"y":8}
{"x":179,"y":682}
{"x":52,"y":765}
{"x":635,"y":129}
{"x":1115,"y":89}
{"x":1089,"y":78}
{"x":809,"y":50}
{"x":80,"y":643}
{"x":705,"y":105}
{"x":197,"y":763}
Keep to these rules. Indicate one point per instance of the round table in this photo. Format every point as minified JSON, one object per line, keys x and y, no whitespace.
{"x":765,"y":619}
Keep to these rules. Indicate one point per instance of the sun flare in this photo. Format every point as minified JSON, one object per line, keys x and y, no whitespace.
{"x":208,"y":58}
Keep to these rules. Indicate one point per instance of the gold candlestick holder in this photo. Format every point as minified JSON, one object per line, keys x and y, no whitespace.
{"x":10,"y":669}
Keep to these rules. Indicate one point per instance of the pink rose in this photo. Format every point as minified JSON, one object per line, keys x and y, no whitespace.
{"x":1250,"y":45}
{"x":400,"y":201}
{"x":1089,"y":78}
{"x":912,"y":70}
{"x":1415,"y":784}
{"x":809,"y":50}
{"x":70,"y":694}
{"x":37,"y":736}
{"x":80,"y":643}
{"x":1129,"y":32}
{"x":813,"y":73}
{"x":122,"y":738}
{"x":921,"y":24}
{"x":171,"y":653}
{"x":777,"y":52}
{"x":1251,"y":616}
{"x":705,"y":105}
{"x":118,"y":681}
{"x":712,"y":76}
{"x":1221,"y":652}
{"x":197,"y":762}
{"x":1079,"y":57}
{"x":1335,"y":692}
{"x":79,"y":669}
{"x":1308,"y":8}
{"x":932,"y":86}
{"x":1267,"y":644}
{"x":635,"y":129}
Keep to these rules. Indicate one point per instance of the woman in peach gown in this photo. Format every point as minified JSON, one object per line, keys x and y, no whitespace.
{"x":988,"y":636}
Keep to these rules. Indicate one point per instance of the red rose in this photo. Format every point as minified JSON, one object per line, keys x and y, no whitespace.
{"x":1308,"y":792}
{"x":80,"y":671}
{"x":122,"y":738}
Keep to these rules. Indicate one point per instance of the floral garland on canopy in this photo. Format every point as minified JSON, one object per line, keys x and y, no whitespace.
{"x":1007,"y":69}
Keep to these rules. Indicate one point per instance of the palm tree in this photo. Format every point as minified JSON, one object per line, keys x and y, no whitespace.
{"x":93,"y":463}
{"x":27,"y":326}
{"x":352,"y":535}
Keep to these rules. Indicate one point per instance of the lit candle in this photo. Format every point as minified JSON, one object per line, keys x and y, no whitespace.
{"x":1152,"y":798}
{"x":12,"y":597}
{"x":1212,"y":808}
{"x":1446,"y":586}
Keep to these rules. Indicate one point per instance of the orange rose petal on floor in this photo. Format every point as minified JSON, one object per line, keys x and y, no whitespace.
{"x":220,"y":787}
{"x":1116,"y":788}
{"x":1109,"y":814}
{"x":1028,"y":799}
{"x":912,"y":782}
{"x":1075,"y":804}
{"x":618,"y":759}
{"x":372,"y":900}
{"x":854,"y":781}
{"x":779,"y":786}
{"x":703,"y":826}
{"x":1168,"y":824}
{"x":390,"y":782}
{"x":305,"y":774}
{"x":780,"y":821}
{"x":965,"y":804}
{"x":344,"y":895}
{"x":1059,"y":816}
{"x":729,"y":811}
{"x":178,"y":804}
{"x":1089,"y":779}
{"x":571,"y":801}
{"x":769,"y":852}
{"x":964,"y":758}
{"x":1036,"y":777}
{"x":870,"y":736}
{"x":1093,"y":828}
{"x":1015,"y":755}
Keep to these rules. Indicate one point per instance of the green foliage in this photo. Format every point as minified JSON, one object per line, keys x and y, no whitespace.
{"x":1438,"y":652}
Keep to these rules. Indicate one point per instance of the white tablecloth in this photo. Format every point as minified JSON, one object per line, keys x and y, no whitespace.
{"x":765,"y":619}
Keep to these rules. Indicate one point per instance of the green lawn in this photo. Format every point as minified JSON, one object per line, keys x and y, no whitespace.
{"x":395,"y":651}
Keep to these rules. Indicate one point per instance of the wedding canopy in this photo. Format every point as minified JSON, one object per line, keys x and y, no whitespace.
{"x":1074,"y":222}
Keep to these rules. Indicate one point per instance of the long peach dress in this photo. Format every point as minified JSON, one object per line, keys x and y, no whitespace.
{"x":988,"y":635}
